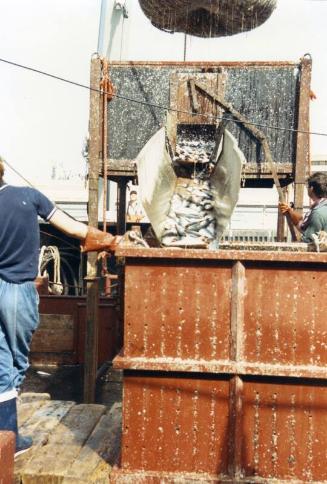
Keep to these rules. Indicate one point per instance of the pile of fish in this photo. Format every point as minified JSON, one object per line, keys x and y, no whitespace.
{"x":191,"y":220}
{"x":193,"y":151}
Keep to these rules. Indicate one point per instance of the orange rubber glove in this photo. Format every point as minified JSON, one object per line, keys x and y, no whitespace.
{"x":96,"y":241}
{"x":285,"y":208}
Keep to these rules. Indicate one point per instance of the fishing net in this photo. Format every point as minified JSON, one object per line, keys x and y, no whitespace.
{"x":208,"y":18}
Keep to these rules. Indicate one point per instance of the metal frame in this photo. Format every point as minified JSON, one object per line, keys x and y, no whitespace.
{"x":124,"y":170}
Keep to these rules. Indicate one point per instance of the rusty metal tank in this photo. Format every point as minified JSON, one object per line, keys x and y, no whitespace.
{"x":224,"y":365}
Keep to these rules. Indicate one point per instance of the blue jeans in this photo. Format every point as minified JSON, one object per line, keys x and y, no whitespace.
{"x":19,"y":318}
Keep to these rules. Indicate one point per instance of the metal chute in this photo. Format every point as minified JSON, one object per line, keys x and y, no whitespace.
{"x":158,"y":183}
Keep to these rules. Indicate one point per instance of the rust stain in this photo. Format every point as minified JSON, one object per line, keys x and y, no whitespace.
{"x":204,"y":65}
{"x":178,"y":304}
{"x":225,"y":367}
{"x":182,"y":411}
{"x":284,"y":444}
{"x":206,"y":255}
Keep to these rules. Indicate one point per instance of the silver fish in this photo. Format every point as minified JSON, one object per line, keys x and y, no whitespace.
{"x":180,"y":230}
{"x":183,"y":221}
{"x":208,"y":206}
{"x":187,"y":212}
{"x":204,"y":223}
{"x":166,"y":240}
{"x":209,"y":231}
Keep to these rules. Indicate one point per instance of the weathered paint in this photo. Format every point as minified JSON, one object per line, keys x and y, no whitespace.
{"x":92,"y":313}
{"x":187,"y":318}
{"x":7,"y":449}
{"x":165,"y":427}
{"x":285,"y":315}
{"x":225,"y":366}
{"x":284,"y":430}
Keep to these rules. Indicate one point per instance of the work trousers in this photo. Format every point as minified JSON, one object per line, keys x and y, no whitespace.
{"x":19,"y":318}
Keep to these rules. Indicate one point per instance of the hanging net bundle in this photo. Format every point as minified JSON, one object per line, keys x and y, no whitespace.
{"x":208,"y":18}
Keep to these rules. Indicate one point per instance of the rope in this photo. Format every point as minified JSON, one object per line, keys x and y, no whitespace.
{"x":41,"y":257}
{"x":48,"y":253}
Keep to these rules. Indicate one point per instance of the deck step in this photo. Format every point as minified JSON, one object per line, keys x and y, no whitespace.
{"x":73,"y":443}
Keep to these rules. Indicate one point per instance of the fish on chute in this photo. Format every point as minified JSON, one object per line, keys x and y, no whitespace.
{"x":188,"y":212}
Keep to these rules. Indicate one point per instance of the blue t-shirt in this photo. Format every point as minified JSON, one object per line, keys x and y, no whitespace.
{"x":19,"y":231}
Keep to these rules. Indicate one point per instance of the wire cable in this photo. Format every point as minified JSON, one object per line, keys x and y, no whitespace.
{"x":158,"y":106}
{"x":42,"y":231}
{"x":17,"y":173}
{"x":61,"y":239}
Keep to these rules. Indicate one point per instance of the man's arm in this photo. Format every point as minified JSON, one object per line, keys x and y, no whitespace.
{"x":68,"y":225}
{"x":295,"y":217}
{"x":92,"y":239}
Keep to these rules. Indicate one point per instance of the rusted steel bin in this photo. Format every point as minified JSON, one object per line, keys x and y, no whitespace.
{"x":7,"y":449}
{"x":224,"y":366}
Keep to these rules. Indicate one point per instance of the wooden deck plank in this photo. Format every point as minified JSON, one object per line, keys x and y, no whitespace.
{"x":28,"y":403}
{"x":27,"y":410}
{"x":46,"y":419}
{"x":39,"y":426}
{"x":100,"y":452}
{"x":52,"y":461}
{"x":28,"y":397}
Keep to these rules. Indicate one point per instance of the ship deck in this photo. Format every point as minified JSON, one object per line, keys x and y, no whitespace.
{"x":73,"y":443}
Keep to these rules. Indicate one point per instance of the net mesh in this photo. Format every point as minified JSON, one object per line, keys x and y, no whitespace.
{"x":208,"y":18}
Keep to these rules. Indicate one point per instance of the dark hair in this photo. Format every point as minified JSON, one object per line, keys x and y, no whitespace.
{"x":318,"y":182}
{"x":133,"y":192}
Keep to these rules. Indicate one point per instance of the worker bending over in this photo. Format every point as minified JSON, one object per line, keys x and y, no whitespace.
{"x":19,"y":253}
{"x":315,"y":219}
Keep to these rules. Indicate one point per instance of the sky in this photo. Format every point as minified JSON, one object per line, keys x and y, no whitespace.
{"x":44,"y":122}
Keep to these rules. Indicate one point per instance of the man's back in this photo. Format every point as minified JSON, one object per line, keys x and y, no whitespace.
{"x":19,"y":234}
{"x":317,"y":221}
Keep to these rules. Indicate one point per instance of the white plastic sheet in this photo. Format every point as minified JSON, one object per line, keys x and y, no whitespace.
{"x":226,"y":180}
{"x":157,"y":181}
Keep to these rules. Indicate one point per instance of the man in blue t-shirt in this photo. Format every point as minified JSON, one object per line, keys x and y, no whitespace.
{"x":315,"y":219}
{"x":20,"y":208}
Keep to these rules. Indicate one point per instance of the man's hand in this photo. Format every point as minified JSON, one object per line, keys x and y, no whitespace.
{"x":286,"y":209}
{"x":97,"y":241}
